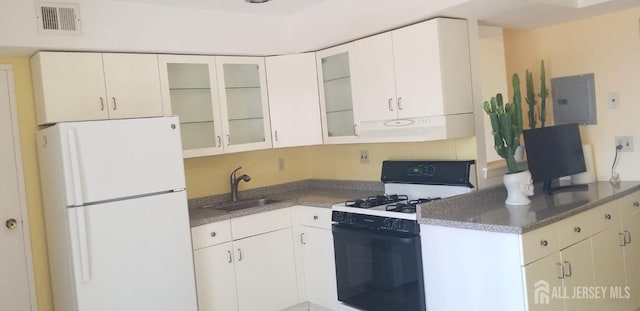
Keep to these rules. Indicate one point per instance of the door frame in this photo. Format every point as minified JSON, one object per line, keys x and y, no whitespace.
{"x":8,"y":69}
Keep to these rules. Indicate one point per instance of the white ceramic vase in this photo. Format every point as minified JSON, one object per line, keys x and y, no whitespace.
{"x":519,"y":187}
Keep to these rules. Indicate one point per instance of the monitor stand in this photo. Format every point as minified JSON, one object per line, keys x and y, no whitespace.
{"x":548,"y":189}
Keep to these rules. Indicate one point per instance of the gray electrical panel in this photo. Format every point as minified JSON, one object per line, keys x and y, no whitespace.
{"x":574,"y":100}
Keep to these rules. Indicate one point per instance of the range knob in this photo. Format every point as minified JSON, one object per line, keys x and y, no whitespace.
{"x":399,"y":224}
{"x":388,"y":223}
{"x":351,"y":218}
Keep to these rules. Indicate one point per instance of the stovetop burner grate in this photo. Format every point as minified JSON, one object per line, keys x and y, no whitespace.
{"x":376,"y":200}
{"x":407,"y":207}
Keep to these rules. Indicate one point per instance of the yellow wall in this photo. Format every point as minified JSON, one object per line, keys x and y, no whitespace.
{"x":609,"y":47}
{"x":210,"y":175}
{"x":28,"y":128}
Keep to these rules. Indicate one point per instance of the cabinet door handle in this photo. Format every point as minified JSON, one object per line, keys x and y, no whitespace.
{"x":230,"y":256}
{"x":228,"y":139}
{"x":627,"y":237}
{"x":101,"y":104}
{"x":355,"y":129}
{"x":577,"y":229}
{"x":400,"y":103}
{"x":115,"y":104}
{"x":390,"y":103}
{"x":607,"y":216}
{"x":636,"y":204}
{"x":560,"y":270}
{"x":213,"y":234}
{"x":544,"y":243}
{"x":315,"y":217}
{"x":219,"y":141}
{"x":568,"y":269}
{"x":623,"y":239}
{"x":275,"y":133}
{"x":239,"y":254}
{"x":302,"y":238}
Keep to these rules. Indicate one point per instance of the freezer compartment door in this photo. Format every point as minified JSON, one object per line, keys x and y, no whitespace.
{"x":113,"y":159}
{"x":133,"y":255}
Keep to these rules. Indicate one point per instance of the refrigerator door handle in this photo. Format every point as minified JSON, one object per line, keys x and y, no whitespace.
{"x":83,"y":241}
{"x":74,"y":164}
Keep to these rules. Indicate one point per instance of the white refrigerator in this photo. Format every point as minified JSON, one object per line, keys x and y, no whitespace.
{"x":116,"y":217}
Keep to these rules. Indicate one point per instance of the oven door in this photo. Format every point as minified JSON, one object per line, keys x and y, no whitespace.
{"x":378,"y":270}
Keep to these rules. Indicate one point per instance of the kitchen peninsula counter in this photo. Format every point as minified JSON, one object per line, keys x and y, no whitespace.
{"x":485,"y":210}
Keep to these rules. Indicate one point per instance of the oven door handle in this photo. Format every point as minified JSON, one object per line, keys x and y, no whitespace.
{"x":353,"y":232}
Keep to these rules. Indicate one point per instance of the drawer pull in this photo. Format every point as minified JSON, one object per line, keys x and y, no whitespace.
{"x":568,"y":269}
{"x":239,"y":254}
{"x":623,"y":239}
{"x":636,"y":204}
{"x":577,"y":229}
{"x":230,"y":256}
{"x":544,"y":242}
{"x":302,"y":238}
{"x":315,"y":217}
{"x":607,"y":216}
{"x":213,"y":234}
{"x":627,"y":237}
{"x":560,"y":270}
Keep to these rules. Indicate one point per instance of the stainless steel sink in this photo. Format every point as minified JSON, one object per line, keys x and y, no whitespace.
{"x":244,"y":204}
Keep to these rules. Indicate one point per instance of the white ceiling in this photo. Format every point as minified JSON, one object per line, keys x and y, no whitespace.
{"x":523,"y":14}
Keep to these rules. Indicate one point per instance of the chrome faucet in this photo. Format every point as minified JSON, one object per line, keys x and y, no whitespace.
{"x":234,"y":183}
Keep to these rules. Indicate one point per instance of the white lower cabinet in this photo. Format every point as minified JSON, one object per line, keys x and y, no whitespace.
{"x":631,"y":250}
{"x":215,"y":278}
{"x":253,"y":271}
{"x":314,"y":250}
{"x":265,"y":271}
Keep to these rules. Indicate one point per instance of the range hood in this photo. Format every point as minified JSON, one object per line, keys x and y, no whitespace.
{"x":418,"y":129}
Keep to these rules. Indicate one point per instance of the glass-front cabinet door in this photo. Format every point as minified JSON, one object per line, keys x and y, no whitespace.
{"x":190,"y":91}
{"x":243,"y":103}
{"x":339,"y":119}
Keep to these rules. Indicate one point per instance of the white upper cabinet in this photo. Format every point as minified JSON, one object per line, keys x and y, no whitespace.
{"x":416,"y":71}
{"x":339,"y":118}
{"x":71,"y":86}
{"x":293,"y":100}
{"x":190,"y":91}
{"x":242,"y":87}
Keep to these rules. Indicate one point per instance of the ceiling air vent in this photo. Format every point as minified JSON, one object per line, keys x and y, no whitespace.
{"x":57,"y":17}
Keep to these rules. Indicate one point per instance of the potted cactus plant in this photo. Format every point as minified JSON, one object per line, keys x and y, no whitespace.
{"x":506,"y":124}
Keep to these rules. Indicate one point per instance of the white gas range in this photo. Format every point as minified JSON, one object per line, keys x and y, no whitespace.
{"x":377,"y":239}
{"x":408,"y":183}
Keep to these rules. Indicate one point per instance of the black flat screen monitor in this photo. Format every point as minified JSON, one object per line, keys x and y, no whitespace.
{"x":554,"y":152}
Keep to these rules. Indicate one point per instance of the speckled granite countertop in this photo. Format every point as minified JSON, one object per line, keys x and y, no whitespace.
{"x":318,"y":193}
{"x":485,"y":210}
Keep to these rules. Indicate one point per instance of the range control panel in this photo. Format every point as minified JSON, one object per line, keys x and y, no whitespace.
{"x":377,"y":223}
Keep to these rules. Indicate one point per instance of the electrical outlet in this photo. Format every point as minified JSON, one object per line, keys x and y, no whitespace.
{"x":364,"y":156}
{"x":626,"y":142}
{"x":281,"y":164}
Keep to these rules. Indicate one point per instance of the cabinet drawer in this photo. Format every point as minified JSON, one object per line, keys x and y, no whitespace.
{"x":539,"y":243}
{"x":629,"y":205}
{"x":606,"y":215}
{"x":255,"y":224}
{"x":317,"y":217}
{"x":577,"y":228}
{"x":211,"y":234}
